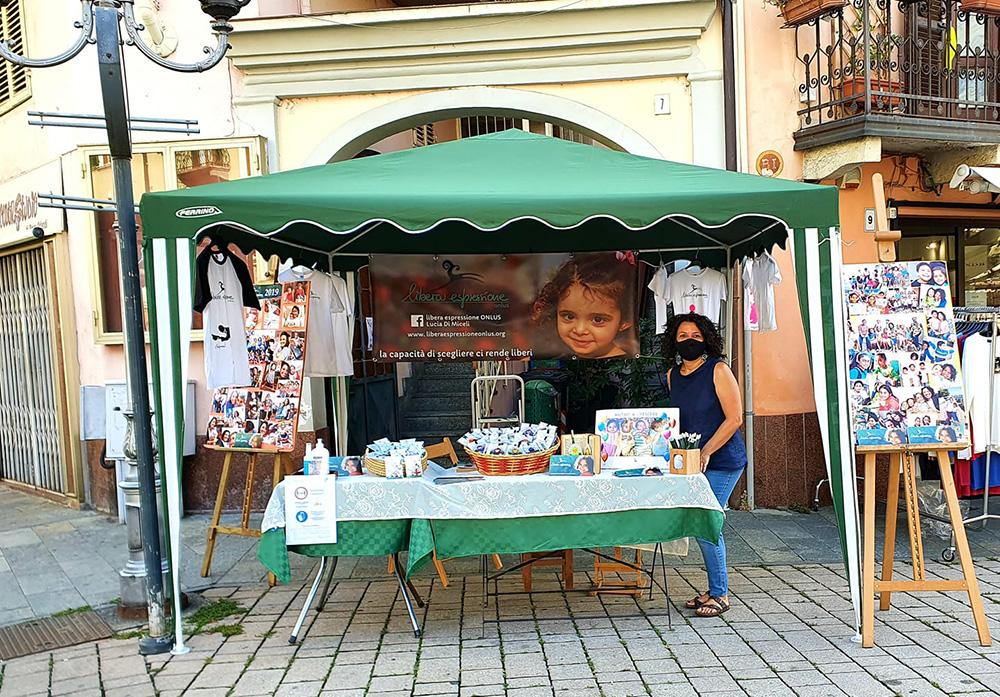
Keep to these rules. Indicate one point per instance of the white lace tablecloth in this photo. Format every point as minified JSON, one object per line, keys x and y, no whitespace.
{"x":376,"y":498}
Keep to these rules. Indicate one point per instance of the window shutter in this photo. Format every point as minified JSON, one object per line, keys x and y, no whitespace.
{"x":424,"y":135}
{"x":13,"y":78}
{"x":925,"y":58}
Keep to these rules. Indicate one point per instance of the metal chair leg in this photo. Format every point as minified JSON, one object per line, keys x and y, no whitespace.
{"x":309,"y":599}
{"x":666,"y":588}
{"x":405,"y":586}
{"x":326,"y":586}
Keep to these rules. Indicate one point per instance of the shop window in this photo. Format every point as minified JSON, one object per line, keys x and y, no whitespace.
{"x":14,"y":86}
{"x":970,"y":248}
{"x":156,"y":168}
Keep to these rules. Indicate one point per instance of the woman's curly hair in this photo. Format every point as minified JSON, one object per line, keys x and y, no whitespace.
{"x":714,"y":345}
{"x":599,"y":273}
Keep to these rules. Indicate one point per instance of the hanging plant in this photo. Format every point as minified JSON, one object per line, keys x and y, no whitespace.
{"x":798,"y":12}
{"x":982,"y":7}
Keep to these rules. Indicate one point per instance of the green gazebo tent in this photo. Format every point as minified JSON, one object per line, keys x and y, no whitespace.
{"x":510,"y":192}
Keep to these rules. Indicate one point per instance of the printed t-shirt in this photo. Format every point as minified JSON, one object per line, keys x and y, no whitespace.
{"x":330,"y":334}
{"x":761,"y":276}
{"x":697,"y":291}
{"x":227,"y":360}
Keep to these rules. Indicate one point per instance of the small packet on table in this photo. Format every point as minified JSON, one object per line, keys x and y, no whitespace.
{"x":413,"y":465}
{"x":394,"y":467}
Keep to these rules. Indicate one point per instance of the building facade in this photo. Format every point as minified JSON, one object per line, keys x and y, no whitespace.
{"x":317,"y":81}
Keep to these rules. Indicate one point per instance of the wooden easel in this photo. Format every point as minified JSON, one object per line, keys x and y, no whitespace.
{"x":244,"y":530}
{"x":901,"y":461}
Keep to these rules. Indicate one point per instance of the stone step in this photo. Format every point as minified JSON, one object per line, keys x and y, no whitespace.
{"x":434,"y":385}
{"x":436,"y":423}
{"x":444,"y":370}
{"x":428,"y":401}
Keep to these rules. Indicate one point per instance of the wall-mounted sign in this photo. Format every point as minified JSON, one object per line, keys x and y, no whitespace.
{"x":769,"y":164}
{"x":869,"y":220}
{"x":20,"y":212}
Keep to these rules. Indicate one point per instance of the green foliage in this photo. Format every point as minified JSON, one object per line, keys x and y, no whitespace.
{"x":72,"y":611}
{"x":214,"y":612}
{"x":134,"y":634}
{"x":637,"y":382}
{"x":226,"y":630}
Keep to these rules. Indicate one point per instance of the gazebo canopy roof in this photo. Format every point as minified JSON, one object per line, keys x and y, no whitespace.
{"x":508,"y":192}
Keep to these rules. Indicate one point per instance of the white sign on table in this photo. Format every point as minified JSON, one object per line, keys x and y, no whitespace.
{"x":311,"y":509}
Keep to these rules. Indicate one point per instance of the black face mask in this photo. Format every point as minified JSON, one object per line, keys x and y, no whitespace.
{"x":690,"y":349}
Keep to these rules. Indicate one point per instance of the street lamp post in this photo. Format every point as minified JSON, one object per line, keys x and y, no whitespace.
{"x":100,"y":24}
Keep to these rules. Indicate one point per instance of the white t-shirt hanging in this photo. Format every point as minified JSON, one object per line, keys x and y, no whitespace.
{"x":658,"y":285}
{"x":764,"y":275}
{"x":977,"y":360}
{"x":227,"y":361}
{"x":697,"y":291}
{"x":750,"y":322}
{"x":330,"y":334}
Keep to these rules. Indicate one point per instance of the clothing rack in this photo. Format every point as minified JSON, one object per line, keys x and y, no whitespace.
{"x":982,"y":319}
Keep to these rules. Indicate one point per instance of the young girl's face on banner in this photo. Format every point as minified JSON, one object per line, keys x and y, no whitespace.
{"x":589,"y":323}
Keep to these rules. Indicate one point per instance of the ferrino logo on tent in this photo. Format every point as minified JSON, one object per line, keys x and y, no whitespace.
{"x":197,"y":212}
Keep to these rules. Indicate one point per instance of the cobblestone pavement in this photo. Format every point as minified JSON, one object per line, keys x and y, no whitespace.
{"x":787,"y":634}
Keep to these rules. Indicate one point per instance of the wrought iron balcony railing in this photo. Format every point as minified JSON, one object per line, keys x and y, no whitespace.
{"x":906,"y":69}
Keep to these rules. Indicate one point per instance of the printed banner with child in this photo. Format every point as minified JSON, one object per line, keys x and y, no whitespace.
{"x":905,"y":375}
{"x":518,"y":306}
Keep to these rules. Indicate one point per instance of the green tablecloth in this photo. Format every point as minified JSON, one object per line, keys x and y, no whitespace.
{"x":464,"y":538}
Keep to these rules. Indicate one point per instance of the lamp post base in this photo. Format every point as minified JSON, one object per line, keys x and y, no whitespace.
{"x":149,"y":646}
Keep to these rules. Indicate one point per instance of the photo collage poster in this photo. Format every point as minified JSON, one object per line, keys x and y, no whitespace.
{"x":630,"y":435}
{"x":264,"y":415}
{"x":905,"y":381}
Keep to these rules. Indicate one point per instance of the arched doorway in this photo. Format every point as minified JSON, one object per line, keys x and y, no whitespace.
{"x":441,"y":106}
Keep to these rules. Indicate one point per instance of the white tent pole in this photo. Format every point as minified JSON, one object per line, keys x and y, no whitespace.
{"x":852,"y":521}
{"x":173,"y":293}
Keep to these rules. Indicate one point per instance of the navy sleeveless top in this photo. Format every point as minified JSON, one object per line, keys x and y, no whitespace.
{"x":701,"y":412}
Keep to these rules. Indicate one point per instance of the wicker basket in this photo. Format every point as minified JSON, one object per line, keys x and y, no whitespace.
{"x":377,"y":467}
{"x":510,"y":465}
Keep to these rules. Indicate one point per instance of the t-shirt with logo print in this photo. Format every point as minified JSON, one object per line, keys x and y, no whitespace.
{"x":227,"y":361}
{"x":697,"y":291}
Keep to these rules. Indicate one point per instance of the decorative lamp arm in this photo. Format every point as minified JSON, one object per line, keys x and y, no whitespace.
{"x":133,"y":27}
{"x":86,"y":27}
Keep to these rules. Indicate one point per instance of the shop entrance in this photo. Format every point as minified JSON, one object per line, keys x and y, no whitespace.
{"x":966,"y":240}
{"x":31,"y":452}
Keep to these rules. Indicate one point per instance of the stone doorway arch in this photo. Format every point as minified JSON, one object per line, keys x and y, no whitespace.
{"x":383,"y":121}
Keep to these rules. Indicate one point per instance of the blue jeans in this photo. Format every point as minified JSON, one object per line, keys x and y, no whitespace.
{"x":722,"y":482}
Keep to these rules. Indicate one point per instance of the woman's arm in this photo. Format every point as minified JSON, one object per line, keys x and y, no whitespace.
{"x":728,"y":391}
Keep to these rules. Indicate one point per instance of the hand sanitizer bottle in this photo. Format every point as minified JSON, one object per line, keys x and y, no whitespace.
{"x":320,"y":458}
{"x":307,"y":460}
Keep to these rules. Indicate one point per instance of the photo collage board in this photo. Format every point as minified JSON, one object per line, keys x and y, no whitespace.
{"x":628,"y":436}
{"x":264,"y":415}
{"x":905,"y":380}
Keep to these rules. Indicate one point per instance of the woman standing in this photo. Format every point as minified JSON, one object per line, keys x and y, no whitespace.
{"x":705,"y":390}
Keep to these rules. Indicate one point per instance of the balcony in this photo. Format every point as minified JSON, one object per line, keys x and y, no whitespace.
{"x":919,"y":75}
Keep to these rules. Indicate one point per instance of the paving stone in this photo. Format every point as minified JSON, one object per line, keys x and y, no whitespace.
{"x":348,"y":676}
{"x":218,"y":675}
{"x":258,"y":682}
{"x":474,"y":678}
{"x":672,"y":690}
{"x":525,"y":665}
{"x":300,"y":689}
{"x":529,"y":692}
{"x":302,"y":669}
{"x":399,"y":663}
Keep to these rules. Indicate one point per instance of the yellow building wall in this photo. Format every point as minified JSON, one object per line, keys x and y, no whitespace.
{"x":304,"y":123}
